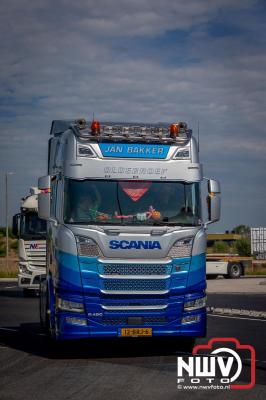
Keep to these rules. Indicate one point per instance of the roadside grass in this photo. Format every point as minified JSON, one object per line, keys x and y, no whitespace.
{"x":8,"y":274}
{"x":258,"y":269}
{"x":11,"y":271}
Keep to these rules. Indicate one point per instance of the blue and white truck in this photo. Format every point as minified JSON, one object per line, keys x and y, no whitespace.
{"x":126,"y":244}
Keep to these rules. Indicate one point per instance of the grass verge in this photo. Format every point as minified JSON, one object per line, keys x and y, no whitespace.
{"x":11,"y":271}
{"x":258,"y":269}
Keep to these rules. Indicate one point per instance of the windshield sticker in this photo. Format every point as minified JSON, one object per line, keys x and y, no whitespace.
{"x":135,"y":190}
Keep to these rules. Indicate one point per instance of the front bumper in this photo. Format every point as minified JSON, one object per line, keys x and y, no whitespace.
{"x":109,"y":324}
{"x":30,"y":279}
{"x":108,"y":284}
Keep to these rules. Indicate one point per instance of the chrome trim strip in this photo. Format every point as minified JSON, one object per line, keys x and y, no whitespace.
{"x":134,"y":291}
{"x":132,"y":277}
{"x":128,"y":261}
{"x":127,"y":308}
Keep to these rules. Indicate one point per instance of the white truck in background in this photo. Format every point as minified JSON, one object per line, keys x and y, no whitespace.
{"x":31,"y":232}
{"x":229,"y":265}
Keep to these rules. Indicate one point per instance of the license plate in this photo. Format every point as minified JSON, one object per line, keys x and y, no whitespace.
{"x":135,"y":332}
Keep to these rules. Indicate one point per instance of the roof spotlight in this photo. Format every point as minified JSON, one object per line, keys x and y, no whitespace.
{"x":80,"y":123}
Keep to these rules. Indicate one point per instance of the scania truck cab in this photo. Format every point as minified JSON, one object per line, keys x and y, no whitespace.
{"x":31,"y":232}
{"x":126,"y":244}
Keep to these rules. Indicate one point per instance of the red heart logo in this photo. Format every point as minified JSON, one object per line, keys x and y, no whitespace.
{"x":135,"y":190}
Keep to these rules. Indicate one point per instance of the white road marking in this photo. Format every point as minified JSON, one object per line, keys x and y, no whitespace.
{"x":10,"y":287}
{"x":8,"y":329}
{"x":239,"y":312}
{"x":229,"y":316}
{"x":258,"y":361}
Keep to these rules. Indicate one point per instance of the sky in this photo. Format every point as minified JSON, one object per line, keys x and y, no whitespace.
{"x":143,"y":60}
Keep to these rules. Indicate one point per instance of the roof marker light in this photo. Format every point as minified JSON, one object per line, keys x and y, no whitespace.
{"x":174,"y":130}
{"x":179,"y":129}
{"x":95,"y":128}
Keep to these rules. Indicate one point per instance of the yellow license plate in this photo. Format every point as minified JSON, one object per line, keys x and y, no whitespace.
{"x":135,"y":332}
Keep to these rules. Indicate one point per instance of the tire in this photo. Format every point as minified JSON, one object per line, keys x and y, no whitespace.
{"x":234,"y":271}
{"x":43,"y":305}
{"x":43,"y":309}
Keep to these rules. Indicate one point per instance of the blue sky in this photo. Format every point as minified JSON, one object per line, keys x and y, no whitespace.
{"x":191,"y":60}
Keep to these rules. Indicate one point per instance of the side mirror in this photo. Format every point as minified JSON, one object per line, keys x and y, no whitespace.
{"x":44,"y":197}
{"x":213,"y":201}
{"x":16,"y":225}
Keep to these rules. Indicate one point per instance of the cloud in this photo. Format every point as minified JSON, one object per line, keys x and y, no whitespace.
{"x":136,"y":60}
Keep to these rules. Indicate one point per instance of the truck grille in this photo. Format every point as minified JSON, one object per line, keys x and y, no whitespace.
{"x":124,"y":321}
{"x":37,"y":261}
{"x":142,"y":285}
{"x":135,"y":269}
{"x":36,"y":255}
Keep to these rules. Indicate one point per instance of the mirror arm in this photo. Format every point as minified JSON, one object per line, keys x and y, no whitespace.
{"x":54,"y":221}
{"x":208,"y":223}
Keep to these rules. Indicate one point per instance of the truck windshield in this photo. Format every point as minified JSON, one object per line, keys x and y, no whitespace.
{"x":112,"y":202}
{"x":32,"y":227}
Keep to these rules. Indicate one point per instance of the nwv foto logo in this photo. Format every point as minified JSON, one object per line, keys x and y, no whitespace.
{"x":220,"y":368}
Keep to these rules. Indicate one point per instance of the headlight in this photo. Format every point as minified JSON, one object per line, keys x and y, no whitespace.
{"x":195,"y":304}
{"x":181,"y":248}
{"x":66,"y":305}
{"x":87,"y":247}
{"x":76,"y":321}
{"x":25,"y":270}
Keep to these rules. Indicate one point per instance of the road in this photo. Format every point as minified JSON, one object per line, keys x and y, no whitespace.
{"x":136,"y":369}
{"x":243,"y":285}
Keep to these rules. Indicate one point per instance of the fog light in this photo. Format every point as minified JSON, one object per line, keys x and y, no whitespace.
{"x":25,"y":281}
{"x":195,"y":304}
{"x":190,"y":318}
{"x":76,"y":321}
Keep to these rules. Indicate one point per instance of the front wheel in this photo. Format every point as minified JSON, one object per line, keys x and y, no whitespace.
{"x":234,"y":271}
{"x":43,"y":305}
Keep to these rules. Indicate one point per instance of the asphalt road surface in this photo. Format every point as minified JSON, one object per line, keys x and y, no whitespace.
{"x":30,"y":368}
